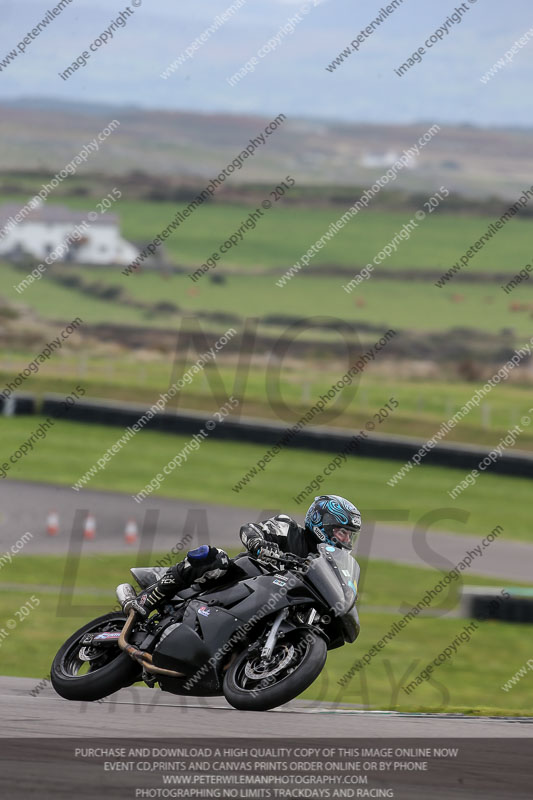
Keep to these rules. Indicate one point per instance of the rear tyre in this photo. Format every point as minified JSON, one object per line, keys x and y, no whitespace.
{"x":251,"y":684}
{"x":109,"y":670}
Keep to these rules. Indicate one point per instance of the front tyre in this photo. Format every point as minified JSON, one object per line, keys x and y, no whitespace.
{"x":251,"y":684}
{"x":100,"y":672}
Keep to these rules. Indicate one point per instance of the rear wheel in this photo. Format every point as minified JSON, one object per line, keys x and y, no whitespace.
{"x":90,"y":673}
{"x":253,"y":684}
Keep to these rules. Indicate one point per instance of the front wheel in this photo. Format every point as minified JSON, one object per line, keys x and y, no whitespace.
{"x":251,"y":684}
{"x":93,"y":673}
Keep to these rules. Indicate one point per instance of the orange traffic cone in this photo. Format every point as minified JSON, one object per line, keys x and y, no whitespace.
{"x":52,"y":523}
{"x":89,"y":529}
{"x":131,"y":532}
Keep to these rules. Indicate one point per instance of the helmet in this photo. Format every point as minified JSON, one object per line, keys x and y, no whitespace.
{"x":334,"y":520}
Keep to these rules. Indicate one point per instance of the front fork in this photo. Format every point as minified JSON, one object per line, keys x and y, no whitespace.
{"x":268,"y":649}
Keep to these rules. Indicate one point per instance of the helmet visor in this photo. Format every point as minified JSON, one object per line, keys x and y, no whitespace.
{"x":344,"y":536}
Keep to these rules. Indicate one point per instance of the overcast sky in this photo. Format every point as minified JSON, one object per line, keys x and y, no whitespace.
{"x":445,"y":86}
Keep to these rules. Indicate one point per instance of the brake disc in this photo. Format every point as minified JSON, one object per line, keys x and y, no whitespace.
{"x":87,"y":654}
{"x":262,"y":670}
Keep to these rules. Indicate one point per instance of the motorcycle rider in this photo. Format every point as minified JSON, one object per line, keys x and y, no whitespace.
{"x":330,"y":519}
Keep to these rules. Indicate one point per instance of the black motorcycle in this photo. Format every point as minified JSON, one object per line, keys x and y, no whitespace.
{"x":259,"y":637}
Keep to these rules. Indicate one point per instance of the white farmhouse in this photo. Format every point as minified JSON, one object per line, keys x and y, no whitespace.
{"x":59,"y":234}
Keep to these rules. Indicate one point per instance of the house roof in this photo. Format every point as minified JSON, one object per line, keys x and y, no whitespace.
{"x":52,"y":214}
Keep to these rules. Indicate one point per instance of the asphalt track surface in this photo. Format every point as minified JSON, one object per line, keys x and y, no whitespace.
{"x":40,"y":735}
{"x":151,"y":713}
{"x":163,"y":523}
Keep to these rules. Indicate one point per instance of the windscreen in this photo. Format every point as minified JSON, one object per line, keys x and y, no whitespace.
{"x":334,"y":575}
{"x":347,"y":565}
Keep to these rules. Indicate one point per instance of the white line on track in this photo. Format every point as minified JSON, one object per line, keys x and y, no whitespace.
{"x":334,"y":711}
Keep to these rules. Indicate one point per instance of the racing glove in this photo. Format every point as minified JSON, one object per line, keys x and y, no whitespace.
{"x":252,"y":536}
{"x":256,"y":544}
{"x":269,"y":550}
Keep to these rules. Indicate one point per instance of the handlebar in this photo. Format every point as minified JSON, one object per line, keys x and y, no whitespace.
{"x":287,"y":558}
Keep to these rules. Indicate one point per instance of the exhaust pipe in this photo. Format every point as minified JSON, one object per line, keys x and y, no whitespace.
{"x":141,"y":656}
{"x":125,"y":592}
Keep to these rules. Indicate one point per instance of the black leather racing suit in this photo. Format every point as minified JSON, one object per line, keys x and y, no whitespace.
{"x":282,"y":531}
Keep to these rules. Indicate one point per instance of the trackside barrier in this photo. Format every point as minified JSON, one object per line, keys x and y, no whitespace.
{"x":478,"y":602}
{"x":265,"y":432}
{"x":17,"y":404}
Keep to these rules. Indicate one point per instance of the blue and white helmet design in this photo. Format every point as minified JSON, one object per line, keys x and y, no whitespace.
{"x":334,"y":520}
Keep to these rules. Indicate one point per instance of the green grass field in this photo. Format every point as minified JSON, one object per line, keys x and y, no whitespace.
{"x":470,"y":682}
{"x":408,"y":305}
{"x":53,"y":302}
{"x":284,"y":233}
{"x":210,"y":472}
{"x":402,"y":305}
{"x":387,"y":304}
{"x":423,"y":404}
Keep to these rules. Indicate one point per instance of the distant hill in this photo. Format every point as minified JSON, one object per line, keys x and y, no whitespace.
{"x":45,"y":135}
